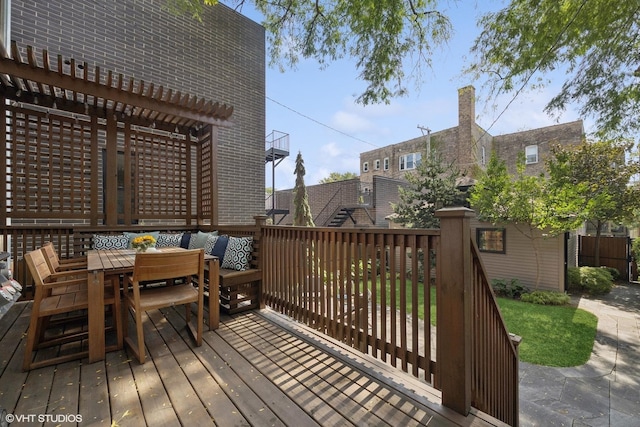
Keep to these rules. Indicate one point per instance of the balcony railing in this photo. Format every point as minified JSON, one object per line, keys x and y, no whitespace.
{"x":373,"y":289}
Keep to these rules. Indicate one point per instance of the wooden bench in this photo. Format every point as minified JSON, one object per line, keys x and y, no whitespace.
{"x":240,"y":290}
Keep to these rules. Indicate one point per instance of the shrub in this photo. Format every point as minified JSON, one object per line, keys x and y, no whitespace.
{"x":508,"y":288}
{"x":615,"y":274}
{"x":595,"y":280}
{"x":635,"y":250}
{"x":546,"y":298}
{"x":573,"y":278}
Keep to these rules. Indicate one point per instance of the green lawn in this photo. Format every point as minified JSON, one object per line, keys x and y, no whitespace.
{"x":551,"y":335}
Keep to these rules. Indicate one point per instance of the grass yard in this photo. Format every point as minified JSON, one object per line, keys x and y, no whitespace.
{"x":559,"y":336}
{"x":551,"y":335}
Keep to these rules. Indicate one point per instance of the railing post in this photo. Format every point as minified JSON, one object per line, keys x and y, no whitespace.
{"x":261,"y":221}
{"x":453,"y":299}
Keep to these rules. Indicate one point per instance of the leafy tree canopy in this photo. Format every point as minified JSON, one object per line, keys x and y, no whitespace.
{"x":385,"y":37}
{"x":501,"y":198}
{"x":337,"y":176}
{"x":597,"y":40}
{"x":595,"y":178}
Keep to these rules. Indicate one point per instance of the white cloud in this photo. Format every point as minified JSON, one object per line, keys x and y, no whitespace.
{"x":331,"y":149}
{"x":351,"y":122}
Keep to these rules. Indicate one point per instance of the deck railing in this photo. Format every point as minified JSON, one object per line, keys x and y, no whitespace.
{"x":373,"y":290}
{"x":363,"y":287}
{"x":494,"y":362}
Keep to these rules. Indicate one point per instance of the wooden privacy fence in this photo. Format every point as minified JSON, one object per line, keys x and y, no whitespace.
{"x":614,"y":252}
{"x":372,"y":289}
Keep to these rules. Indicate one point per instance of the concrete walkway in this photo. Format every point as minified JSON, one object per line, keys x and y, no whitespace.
{"x":603,"y":392}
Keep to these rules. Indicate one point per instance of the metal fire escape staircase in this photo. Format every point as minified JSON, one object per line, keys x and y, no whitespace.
{"x":277,"y":148}
{"x":341,"y":215}
{"x":345,"y":212}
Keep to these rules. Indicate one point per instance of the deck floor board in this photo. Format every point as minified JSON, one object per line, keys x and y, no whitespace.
{"x":258,"y":369}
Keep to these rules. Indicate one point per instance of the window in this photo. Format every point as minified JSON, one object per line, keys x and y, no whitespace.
{"x":376,"y":164}
{"x":385,"y":163}
{"x":484,"y":157}
{"x":531,"y":153}
{"x":491,"y":240}
{"x":365,"y":167}
{"x":410,"y":161}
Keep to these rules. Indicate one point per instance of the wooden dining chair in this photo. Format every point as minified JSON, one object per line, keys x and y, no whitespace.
{"x":56,"y":264}
{"x":164,"y":267}
{"x":60,"y":300}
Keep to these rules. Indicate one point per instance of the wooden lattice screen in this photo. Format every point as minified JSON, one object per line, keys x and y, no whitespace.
{"x":208,"y":182}
{"x":49,"y":173}
{"x":57,"y":166}
{"x":162,"y":176}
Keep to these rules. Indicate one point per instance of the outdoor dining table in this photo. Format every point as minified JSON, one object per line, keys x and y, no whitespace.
{"x":112,"y":264}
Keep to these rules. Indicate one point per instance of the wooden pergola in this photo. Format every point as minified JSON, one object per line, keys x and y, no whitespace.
{"x":79,"y":143}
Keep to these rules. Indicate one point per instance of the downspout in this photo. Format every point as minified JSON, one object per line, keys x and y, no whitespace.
{"x":5,"y":22}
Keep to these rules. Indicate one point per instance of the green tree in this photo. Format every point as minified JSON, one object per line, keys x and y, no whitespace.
{"x":596,"y":40}
{"x":385,"y":38}
{"x":338,"y":176}
{"x":431,"y":186}
{"x":302,"y":211}
{"x":595,"y":180}
{"x":501,"y":199}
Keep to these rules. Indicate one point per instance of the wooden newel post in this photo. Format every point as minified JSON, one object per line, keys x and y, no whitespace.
{"x":453,"y":299}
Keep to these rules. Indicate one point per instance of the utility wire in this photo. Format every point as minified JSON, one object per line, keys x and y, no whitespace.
{"x":322,"y":124}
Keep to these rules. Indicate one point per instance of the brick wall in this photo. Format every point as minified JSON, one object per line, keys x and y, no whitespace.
{"x":221,"y":58}
{"x":509,"y":146}
{"x":385,"y":193}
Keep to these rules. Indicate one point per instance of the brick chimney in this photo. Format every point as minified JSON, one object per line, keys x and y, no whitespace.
{"x":466,"y":150}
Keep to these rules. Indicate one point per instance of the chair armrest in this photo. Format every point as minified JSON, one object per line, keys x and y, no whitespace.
{"x":74,"y":260}
{"x":72,"y":266}
{"x":59,"y":283}
{"x":70,"y":274}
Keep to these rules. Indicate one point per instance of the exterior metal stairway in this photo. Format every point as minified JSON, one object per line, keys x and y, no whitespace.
{"x":341,"y":215}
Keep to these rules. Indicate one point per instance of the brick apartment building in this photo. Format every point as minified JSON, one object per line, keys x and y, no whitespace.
{"x":220,"y":58}
{"x":366,"y":201}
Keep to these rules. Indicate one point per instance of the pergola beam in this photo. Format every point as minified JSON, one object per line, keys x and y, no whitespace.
{"x":26,"y":82}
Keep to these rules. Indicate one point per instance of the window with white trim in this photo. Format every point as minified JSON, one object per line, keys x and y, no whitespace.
{"x":376,"y":164}
{"x":365,"y":167}
{"x":484,"y":157}
{"x":531,"y":154}
{"x":410,"y":161}
{"x":385,"y":164}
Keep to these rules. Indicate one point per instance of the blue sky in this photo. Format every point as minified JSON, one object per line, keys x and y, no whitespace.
{"x":317,"y":107}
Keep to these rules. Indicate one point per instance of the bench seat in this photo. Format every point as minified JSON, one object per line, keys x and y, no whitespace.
{"x":239,"y":290}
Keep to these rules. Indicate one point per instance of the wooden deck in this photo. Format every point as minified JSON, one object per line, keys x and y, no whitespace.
{"x":257,"y":369}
